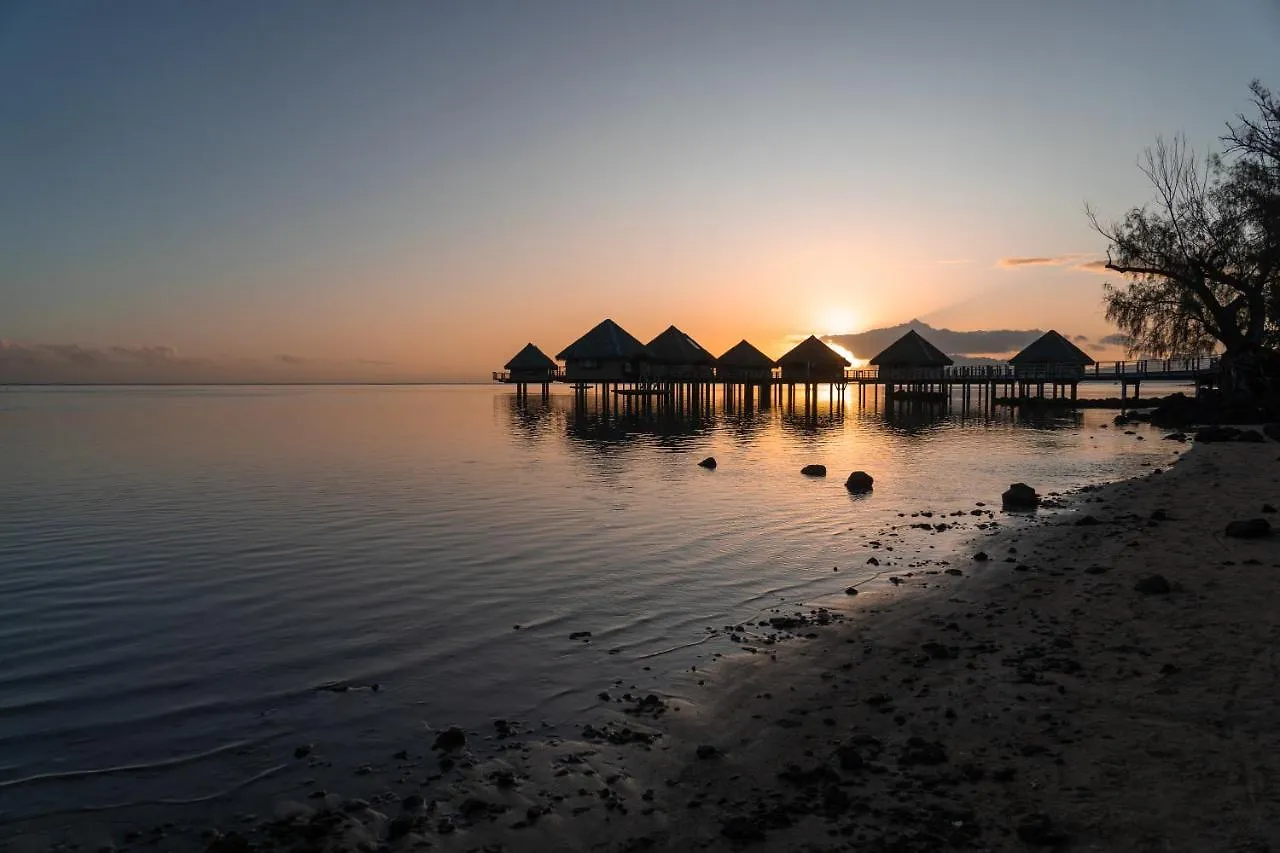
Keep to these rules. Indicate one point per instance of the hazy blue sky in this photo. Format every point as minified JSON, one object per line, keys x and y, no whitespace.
{"x":417,"y":189}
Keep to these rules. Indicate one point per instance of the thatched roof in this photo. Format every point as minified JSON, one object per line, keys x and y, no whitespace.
{"x":530,"y":358}
{"x":675,"y":347}
{"x":606,"y":342}
{"x":743,"y":354}
{"x":911,"y":350}
{"x":815,"y":352}
{"x":1051,"y":348}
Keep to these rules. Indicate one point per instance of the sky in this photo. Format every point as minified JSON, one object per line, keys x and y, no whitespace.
{"x":413,"y":190}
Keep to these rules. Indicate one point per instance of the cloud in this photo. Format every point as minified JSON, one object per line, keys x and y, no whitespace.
{"x":1116,"y":340}
{"x":867,"y":344}
{"x":147,"y":355}
{"x":68,"y":363}
{"x":1094,"y":266}
{"x":1053,"y":261}
{"x":1081,"y":339}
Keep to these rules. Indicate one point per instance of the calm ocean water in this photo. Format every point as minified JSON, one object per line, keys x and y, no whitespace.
{"x":181,"y":568}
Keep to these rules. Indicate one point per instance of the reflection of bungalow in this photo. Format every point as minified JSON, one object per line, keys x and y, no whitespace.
{"x":607,"y":353}
{"x":530,"y":365}
{"x":1050,"y":358}
{"x":744,"y":363}
{"x":676,"y":356}
{"x":911,"y":360}
{"x":813,"y":361}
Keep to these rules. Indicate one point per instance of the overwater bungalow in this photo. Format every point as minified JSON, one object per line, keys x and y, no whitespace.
{"x":1050,"y":358}
{"x":812,"y":361}
{"x":529,"y":366}
{"x":745,"y":364}
{"x":679,"y":358}
{"x":911,"y":360}
{"x":607,"y":353}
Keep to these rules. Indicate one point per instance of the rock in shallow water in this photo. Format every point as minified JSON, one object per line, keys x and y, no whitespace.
{"x":859,"y":481}
{"x":1020,"y":496}
{"x":450,"y":739}
{"x":814,"y":470}
{"x":709,"y":463}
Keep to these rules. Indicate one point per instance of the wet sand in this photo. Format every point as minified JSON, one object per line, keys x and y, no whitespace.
{"x":1032,"y":700}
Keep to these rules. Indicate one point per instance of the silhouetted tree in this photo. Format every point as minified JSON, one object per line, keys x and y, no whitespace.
{"x":1201,"y":259}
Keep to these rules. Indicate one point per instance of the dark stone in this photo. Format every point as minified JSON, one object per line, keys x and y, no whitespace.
{"x":413,"y":803}
{"x":1212,"y":434}
{"x":709,"y":462}
{"x":1249,"y":528}
{"x":450,"y":739}
{"x":400,"y":826}
{"x":1038,"y":830}
{"x":742,"y":829}
{"x":706,"y":751}
{"x":1251,"y":435}
{"x":920,"y":751}
{"x":1087,"y":521}
{"x":849,"y":758}
{"x":814,"y":470}
{"x":859,"y":481}
{"x":1176,"y":436}
{"x":302,"y":751}
{"x":1153,"y":585}
{"x":1272,"y":431}
{"x":851,"y":590}
{"x":1020,"y":496}
{"x":1268,"y":508}
{"x":232,"y":842}
{"x":580,"y":635}
{"x":981,"y":556}
{"x":1159,"y":515}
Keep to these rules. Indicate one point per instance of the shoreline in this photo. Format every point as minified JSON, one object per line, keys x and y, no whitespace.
{"x":948,"y":718}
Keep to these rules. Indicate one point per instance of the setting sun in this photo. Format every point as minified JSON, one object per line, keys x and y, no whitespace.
{"x":839,"y":321}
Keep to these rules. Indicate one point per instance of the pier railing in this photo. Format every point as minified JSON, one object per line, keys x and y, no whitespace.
{"x":1167,"y":368}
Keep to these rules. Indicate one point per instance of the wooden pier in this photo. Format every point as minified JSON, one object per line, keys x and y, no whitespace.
{"x":673,"y":370}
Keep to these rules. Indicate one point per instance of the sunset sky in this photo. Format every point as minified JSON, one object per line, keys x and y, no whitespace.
{"x":413,"y":190}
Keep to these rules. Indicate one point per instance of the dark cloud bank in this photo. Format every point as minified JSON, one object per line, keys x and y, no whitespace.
{"x":79,"y":364}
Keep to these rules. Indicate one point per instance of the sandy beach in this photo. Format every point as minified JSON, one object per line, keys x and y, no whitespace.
{"x":1034,"y":699}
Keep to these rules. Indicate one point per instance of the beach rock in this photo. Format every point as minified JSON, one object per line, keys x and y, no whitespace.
{"x":709,"y":462}
{"x":742,"y":829}
{"x":1251,"y":435}
{"x":580,"y":635}
{"x":981,"y":557}
{"x":1087,"y":521}
{"x":1268,"y":508}
{"x":1020,"y":496}
{"x":1176,"y":436}
{"x":849,"y":757}
{"x":450,"y":739}
{"x":1038,"y":830}
{"x":1249,"y":528}
{"x":814,"y":470}
{"x":232,"y":842}
{"x":1211,"y":434}
{"x":1153,"y":585}
{"x":859,"y":481}
{"x":1272,"y":431}
{"x":706,"y":751}
{"x":851,"y":590}
{"x":303,"y":751}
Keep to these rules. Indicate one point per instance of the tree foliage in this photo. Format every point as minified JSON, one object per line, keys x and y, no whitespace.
{"x":1202,"y":259}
